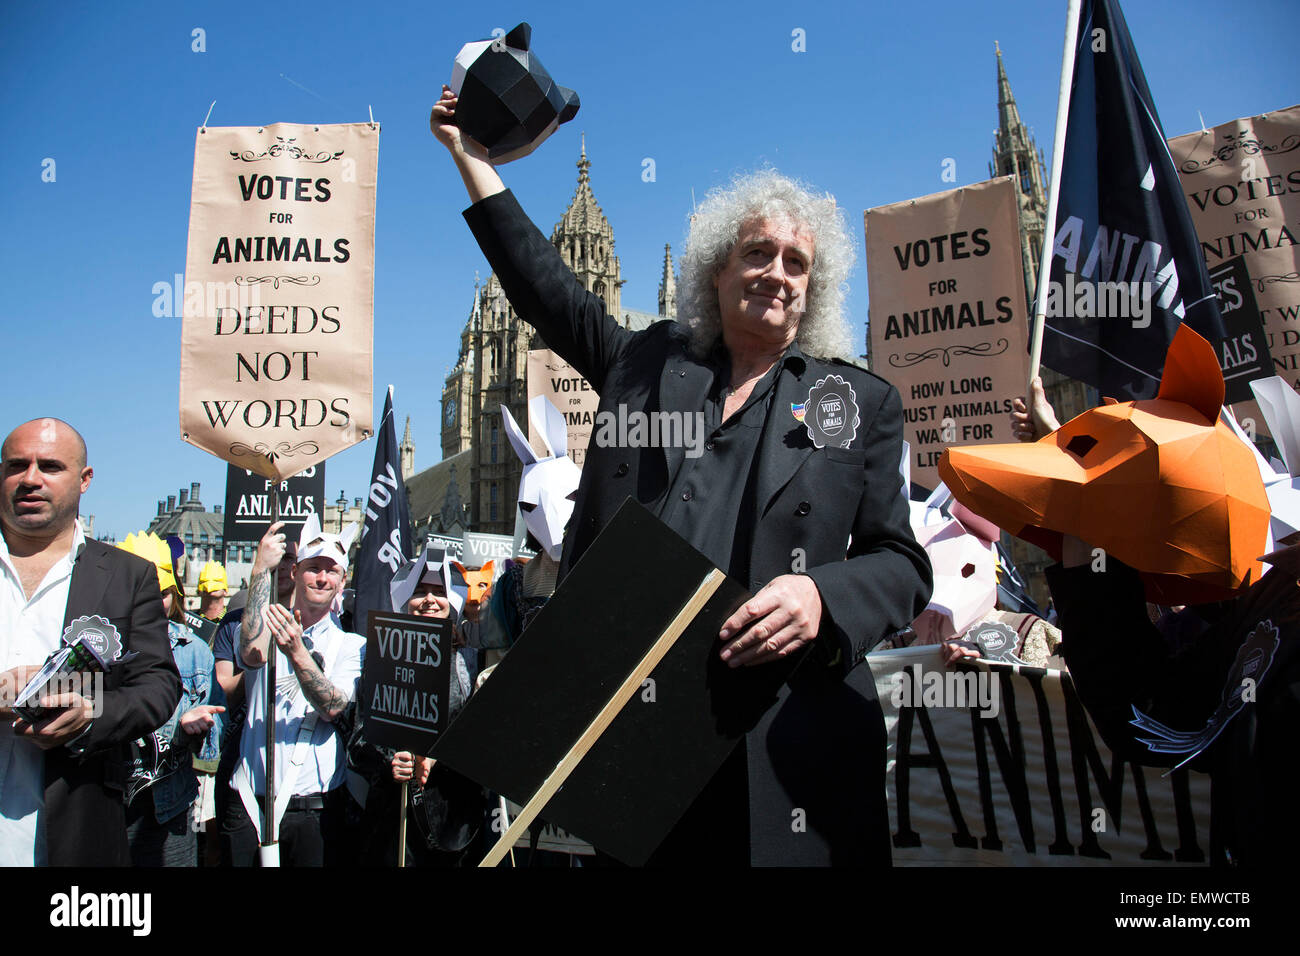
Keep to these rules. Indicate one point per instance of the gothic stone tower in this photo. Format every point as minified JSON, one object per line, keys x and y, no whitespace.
{"x":493,"y":364}
{"x":1016,"y":154}
{"x":407,"y":452}
{"x":502,"y":342}
{"x":668,"y":286}
{"x":458,"y":388}
{"x":585,"y":241}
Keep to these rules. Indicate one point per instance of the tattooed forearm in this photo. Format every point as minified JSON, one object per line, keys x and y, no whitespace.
{"x":319,"y":690}
{"x":253,"y":634}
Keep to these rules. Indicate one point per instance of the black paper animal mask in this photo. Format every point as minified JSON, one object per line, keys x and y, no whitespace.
{"x":507,"y":100}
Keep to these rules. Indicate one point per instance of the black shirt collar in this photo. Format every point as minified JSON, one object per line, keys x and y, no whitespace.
{"x":793,"y":358}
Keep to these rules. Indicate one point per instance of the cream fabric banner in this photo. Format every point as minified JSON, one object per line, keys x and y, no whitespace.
{"x":1242,"y":182}
{"x":949,"y":328}
{"x":276,"y":346}
{"x":552,"y":376}
{"x":1018,"y":776}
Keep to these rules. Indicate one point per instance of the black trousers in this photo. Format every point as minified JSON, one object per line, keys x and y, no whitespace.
{"x":377,"y":834}
{"x":306,"y":837}
{"x":172,"y":843}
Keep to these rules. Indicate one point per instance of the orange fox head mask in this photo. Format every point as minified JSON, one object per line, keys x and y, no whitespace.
{"x":476,"y":585}
{"x":1162,"y":485}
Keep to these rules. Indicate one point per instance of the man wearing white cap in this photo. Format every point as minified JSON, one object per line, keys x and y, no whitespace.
{"x":317,"y":674}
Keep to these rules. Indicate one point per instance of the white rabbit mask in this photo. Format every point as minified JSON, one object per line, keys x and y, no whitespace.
{"x":548,"y":485}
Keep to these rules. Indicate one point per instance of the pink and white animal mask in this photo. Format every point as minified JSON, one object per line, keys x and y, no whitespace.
{"x":964,"y":559}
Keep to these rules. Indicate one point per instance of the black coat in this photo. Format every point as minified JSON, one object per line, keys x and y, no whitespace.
{"x":85,"y":816}
{"x":1119,"y":661}
{"x":820,"y":748}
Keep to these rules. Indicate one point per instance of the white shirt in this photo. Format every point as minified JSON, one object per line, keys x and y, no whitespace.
{"x":30,"y":630}
{"x":322,"y":766}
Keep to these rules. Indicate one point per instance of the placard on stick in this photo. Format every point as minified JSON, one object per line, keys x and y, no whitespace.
{"x":660,"y":751}
{"x":948,"y":314}
{"x":406,"y":682}
{"x":247,"y":513}
{"x":277,"y":335}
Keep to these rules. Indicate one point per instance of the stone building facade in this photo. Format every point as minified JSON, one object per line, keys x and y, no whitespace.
{"x":491,"y":371}
{"x":200,"y":530}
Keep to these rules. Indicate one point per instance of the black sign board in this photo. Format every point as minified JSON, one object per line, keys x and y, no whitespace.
{"x":406,"y":682}
{"x":1243,"y":351}
{"x":248,"y":502}
{"x":201,"y":626}
{"x":647,"y":768}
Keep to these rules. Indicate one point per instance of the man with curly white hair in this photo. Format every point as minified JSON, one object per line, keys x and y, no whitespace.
{"x":716,"y":227}
{"x":797,"y":493}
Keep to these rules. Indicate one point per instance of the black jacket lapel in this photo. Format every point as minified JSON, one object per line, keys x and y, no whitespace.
{"x":786,"y":445}
{"x":683,"y":386}
{"x":90,"y":574}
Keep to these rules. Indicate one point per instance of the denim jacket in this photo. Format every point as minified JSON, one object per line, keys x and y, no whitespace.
{"x":175,"y":785}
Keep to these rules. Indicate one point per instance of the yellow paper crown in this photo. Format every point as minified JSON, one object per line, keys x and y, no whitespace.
{"x":154,"y":550}
{"x":212,"y":578}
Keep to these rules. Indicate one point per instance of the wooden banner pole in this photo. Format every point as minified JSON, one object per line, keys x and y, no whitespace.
{"x":268,"y":714}
{"x":401,"y":828}
{"x":602,"y":720}
{"x":505,"y":818}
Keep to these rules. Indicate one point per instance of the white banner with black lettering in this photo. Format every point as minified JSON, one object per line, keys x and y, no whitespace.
{"x":1015,"y":774}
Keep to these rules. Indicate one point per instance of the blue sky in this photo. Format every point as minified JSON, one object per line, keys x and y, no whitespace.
{"x":113,"y":93}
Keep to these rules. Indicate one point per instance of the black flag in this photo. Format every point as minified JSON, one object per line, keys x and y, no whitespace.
{"x":1126,"y":265}
{"x":386,"y":538}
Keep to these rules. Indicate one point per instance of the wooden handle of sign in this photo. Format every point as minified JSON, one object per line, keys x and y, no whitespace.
{"x":603,"y":719}
{"x":505,"y":815}
{"x":401,"y":829}
{"x":401,"y":819}
{"x":268,"y":706}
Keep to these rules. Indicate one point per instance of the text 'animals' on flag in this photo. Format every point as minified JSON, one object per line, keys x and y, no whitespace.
{"x":276,"y":344}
